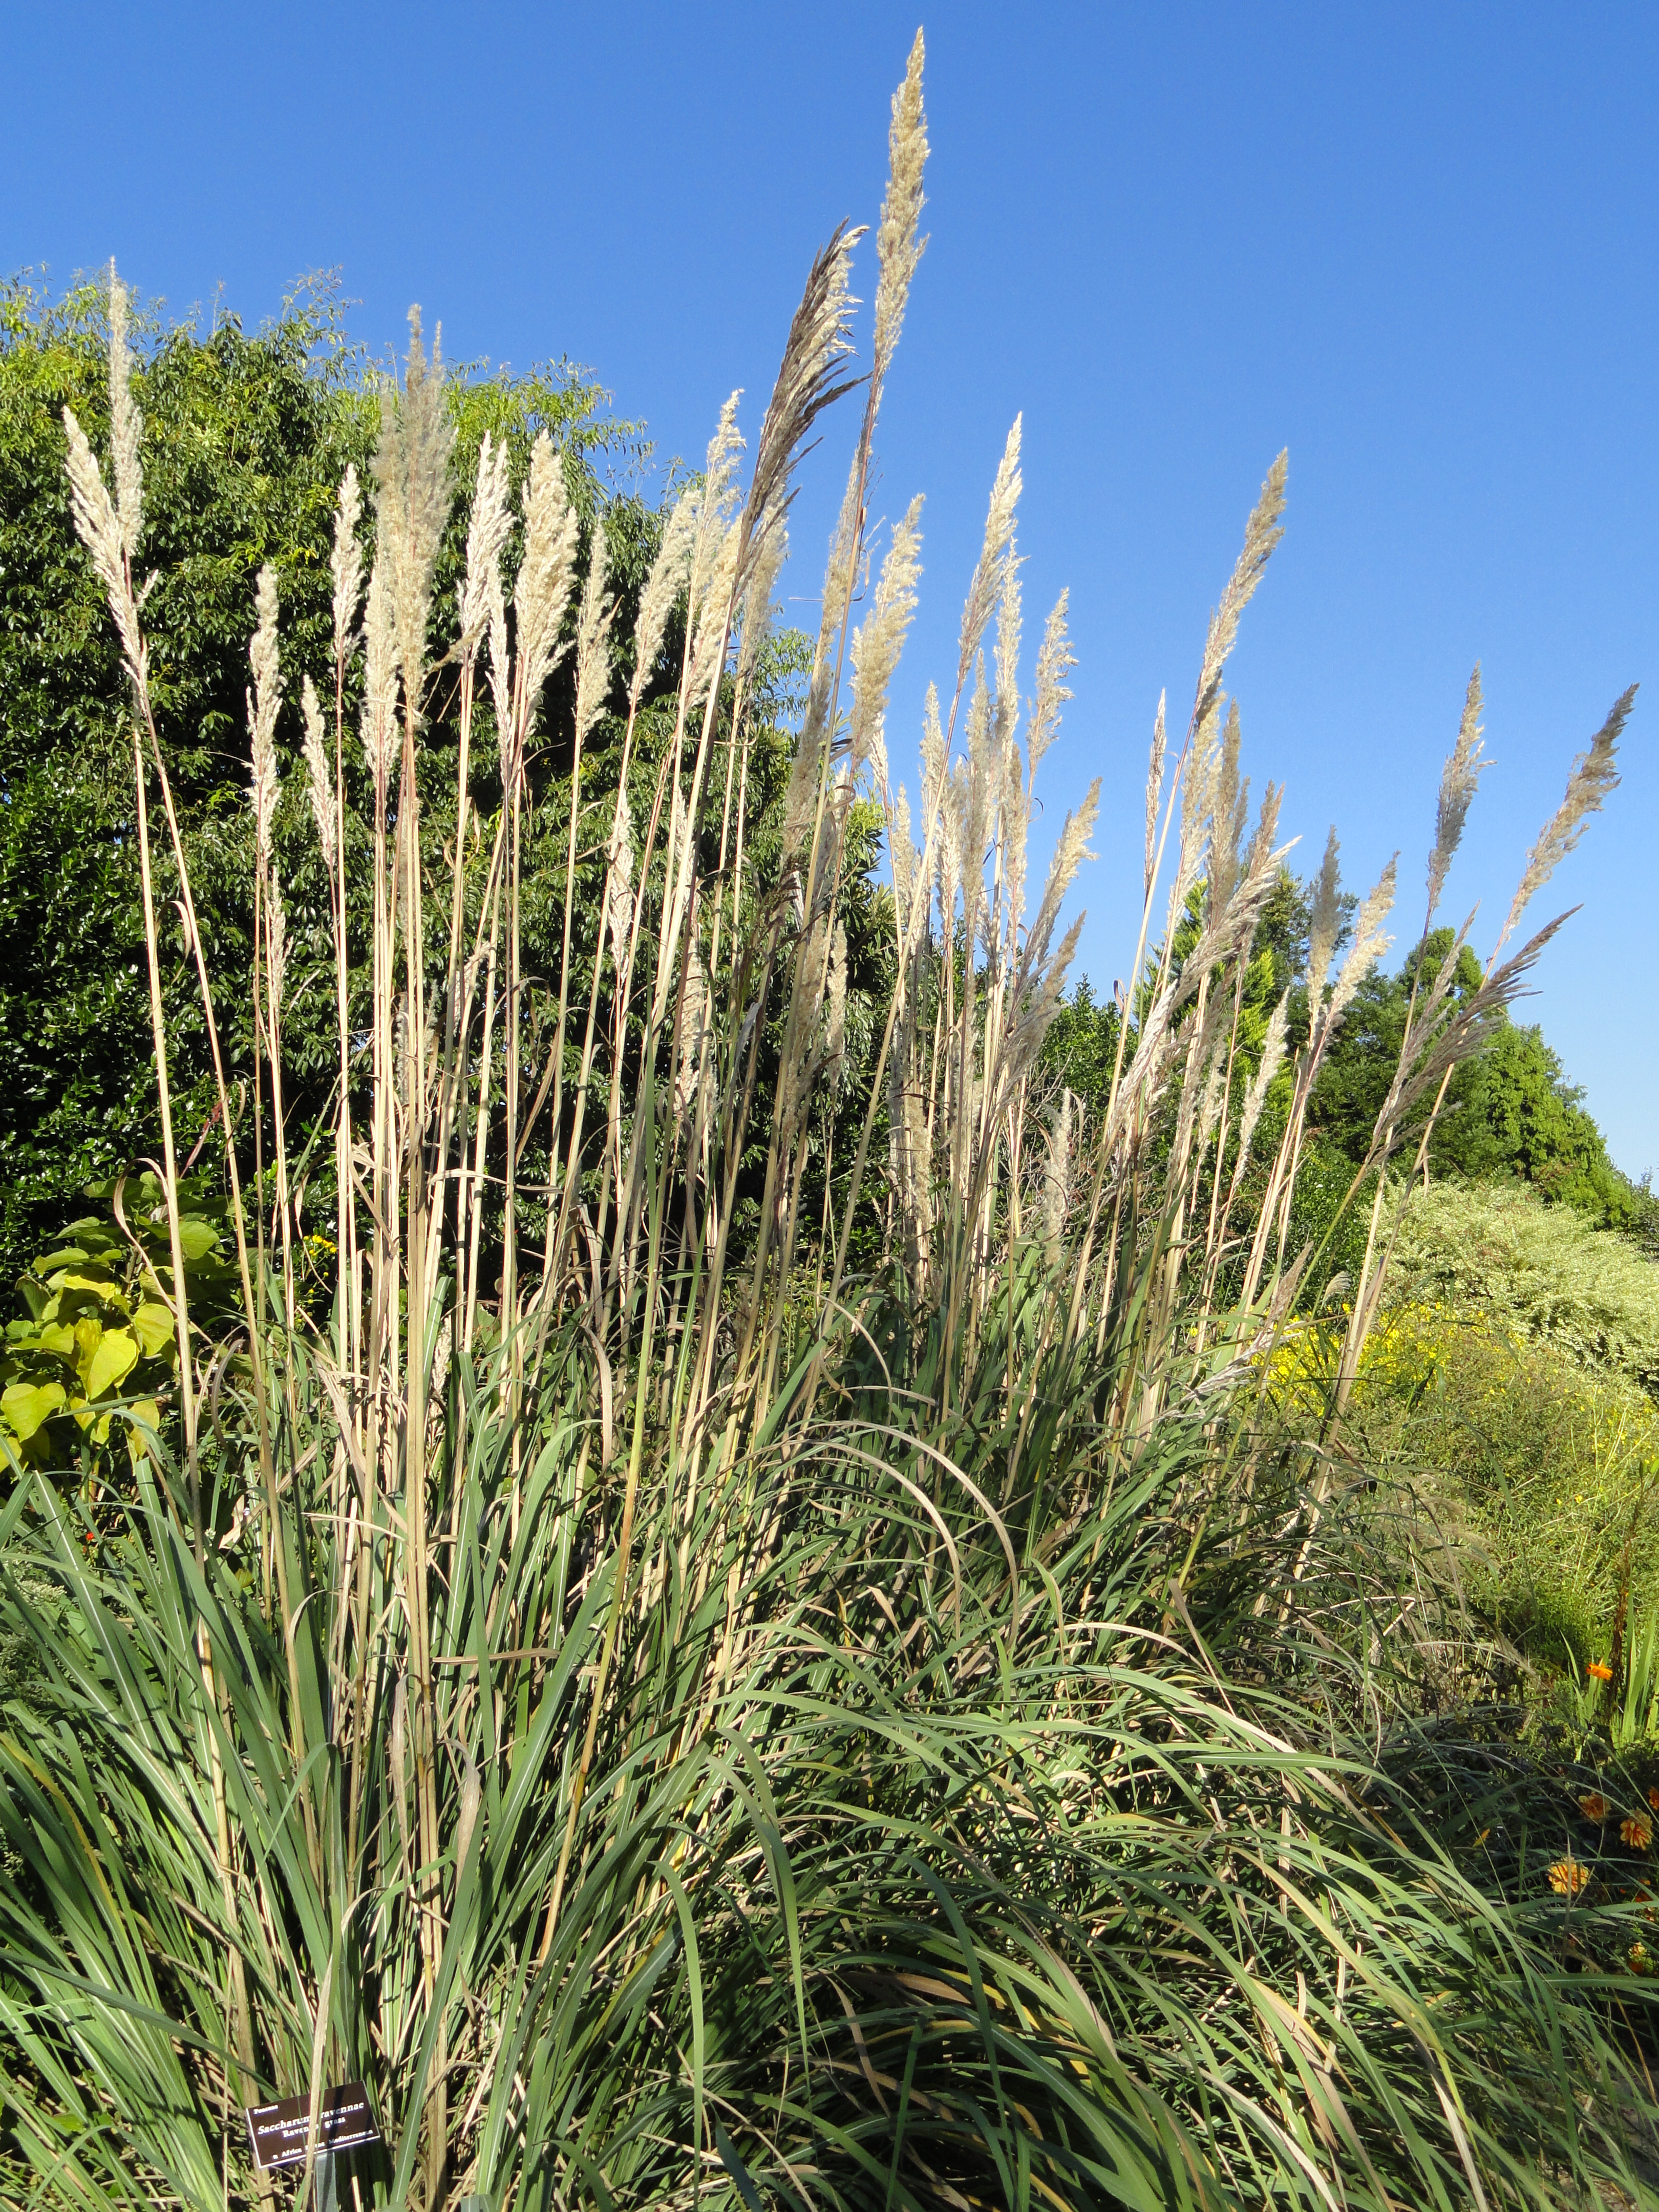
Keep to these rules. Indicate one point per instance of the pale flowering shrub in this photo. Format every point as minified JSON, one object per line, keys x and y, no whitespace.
{"x":1541,"y":1270}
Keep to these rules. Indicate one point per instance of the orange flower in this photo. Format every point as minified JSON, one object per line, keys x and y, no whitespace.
{"x":1653,"y":1799}
{"x":1640,"y":1958}
{"x":1568,"y":1877}
{"x":1598,"y":1672}
{"x":1594,"y":1807}
{"x":1636,"y":1831}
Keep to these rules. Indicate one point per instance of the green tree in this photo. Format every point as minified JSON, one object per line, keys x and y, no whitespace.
{"x":246,"y":440}
{"x":1510,"y":1111}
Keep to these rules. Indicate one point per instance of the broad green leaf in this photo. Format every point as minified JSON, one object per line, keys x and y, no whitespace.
{"x":26,"y":1405}
{"x":146,"y":1411}
{"x":152,"y":1325}
{"x":88,"y":1335}
{"x":71,"y":1255}
{"x":198,"y":1238}
{"x":98,"y":1286}
{"x":113,"y":1362}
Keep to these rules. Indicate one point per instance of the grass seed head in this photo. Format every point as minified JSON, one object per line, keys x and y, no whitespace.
{"x":412,"y":495}
{"x":317,"y":775}
{"x":1595,"y":775}
{"x":897,"y":247}
{"x":126,"y":424}
{"x":1462,"y":772}
{"x":263,"y":701}
{"x":346,"y":564}
{"x":879,"y":640}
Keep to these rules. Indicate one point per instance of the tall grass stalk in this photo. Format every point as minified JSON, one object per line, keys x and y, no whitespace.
{"x":694,"y":1747}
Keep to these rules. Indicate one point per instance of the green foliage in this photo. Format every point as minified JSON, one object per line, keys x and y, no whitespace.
{"x":247,"y":437}
{"x":1540,"y":1272}
{"x":931,"y":1882}
{"x":1510,"y":1112}
{"x":1544,"y":1471}
{"x":1081,"y":1045}
{"x":1557,"y":1473}
{"x":1624,"y":1715}
{"x":97,"y":1339}
{"x":817,"y":1690}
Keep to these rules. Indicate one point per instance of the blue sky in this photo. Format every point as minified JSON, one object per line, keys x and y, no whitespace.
{"x":1414,"y":244}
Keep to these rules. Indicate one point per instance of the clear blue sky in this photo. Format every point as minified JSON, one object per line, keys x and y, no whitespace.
{"x":1414,"y":244}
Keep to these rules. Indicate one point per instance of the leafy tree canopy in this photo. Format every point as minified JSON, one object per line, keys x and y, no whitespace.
{"x":1509,"y":1114}
{"x":247,"y":437}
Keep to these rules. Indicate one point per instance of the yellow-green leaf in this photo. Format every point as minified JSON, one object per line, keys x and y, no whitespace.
{"x":146,"y":1411}
{"x":196,"y":1238}
{"x":113,"y":1362}
{"x":98,"y":1286}
{"x":88,"y":1335}
{"x":26,"y":1405}
{"x":153,"y":1327}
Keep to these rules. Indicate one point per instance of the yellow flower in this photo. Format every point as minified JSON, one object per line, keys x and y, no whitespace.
{"x":1568,"y":1877}
{"x":1636,"y":1831}
{"x":1640,"y":1958}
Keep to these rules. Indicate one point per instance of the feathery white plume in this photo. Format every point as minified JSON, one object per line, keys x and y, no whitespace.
{"x":1371,"y":942}
{"x":1458,"y":779}
{"x":716,"y":502}
{"x":99,"y":527}
{"x":879,"y":640}
{"x":713,"y":603}
{"x":277,"y":925}
{"x":322,"y":796}
{"x":668,"y":577}
{"x":1229,"y":812}
{"x":379,"y":713}
{"x":594,"y":637}
{"x":1154,"y":792}
{"x":486,"y":535}
{"x":1594,"y":775}
{"x":346,"y":562}
{"x":263,"y":701}
{"x":111,"y":528}
{"x":694,"y":1022}
{"x":1261,"y":534}
{"x":126,"y":424}
{"x":500,"y":670}
{"x":757,"y":593}
{"x":1058,"y":1148}
{"x":1324,"y":921}
{"x":1255,"y":1095}
{"x":411,"y":477}
{"x":1010,"y":630}
{"x":906,"y":863}
{"x":986,"y":588}
{"x":1071,"y":850}
{"x":835,"y":1018}
{"x":542,"y":591}
{"x":1055,"y":660}
{"x":897,"y":247}
{"x":619,"y":879}
{"x":818,"y":341}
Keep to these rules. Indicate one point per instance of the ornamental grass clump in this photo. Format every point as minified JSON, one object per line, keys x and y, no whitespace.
{"x":765,"y":1666}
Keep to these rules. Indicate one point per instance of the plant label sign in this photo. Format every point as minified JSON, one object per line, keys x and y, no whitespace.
{"x":278,"y":2131}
